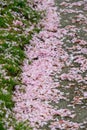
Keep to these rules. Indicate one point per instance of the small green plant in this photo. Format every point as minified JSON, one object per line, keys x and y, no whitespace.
{"x":1,"y":126}
{"x":22,"y":126}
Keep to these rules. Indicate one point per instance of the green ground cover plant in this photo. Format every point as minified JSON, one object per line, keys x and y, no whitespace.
{"x":16,"y":17}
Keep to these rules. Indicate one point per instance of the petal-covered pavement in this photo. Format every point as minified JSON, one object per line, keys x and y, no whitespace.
{"x":53,"y":94}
